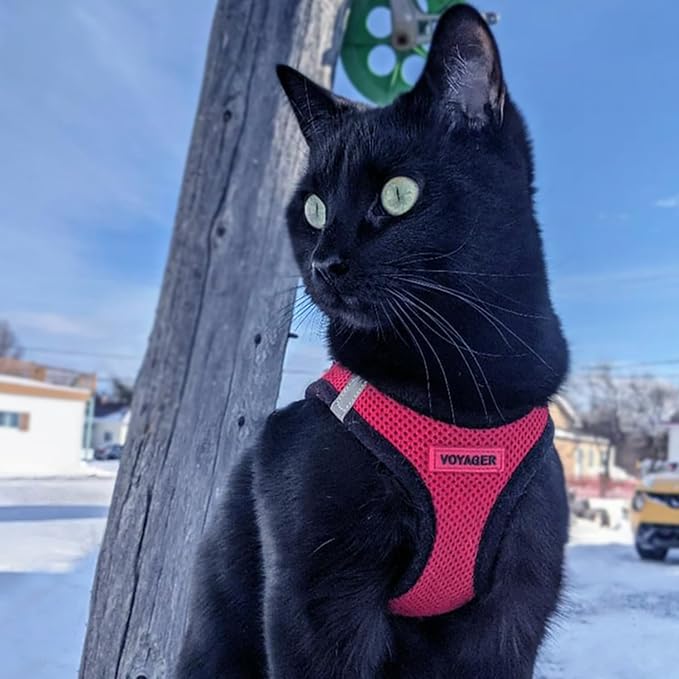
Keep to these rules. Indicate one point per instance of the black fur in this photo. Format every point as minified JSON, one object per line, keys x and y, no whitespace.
{"x":446,"y":309}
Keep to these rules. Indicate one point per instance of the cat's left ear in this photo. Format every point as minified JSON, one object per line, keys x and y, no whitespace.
{"x":315,"y":108}
{"x":463,"y":71}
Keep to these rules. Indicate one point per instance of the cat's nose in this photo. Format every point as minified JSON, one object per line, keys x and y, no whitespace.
{"x":332,"y":265}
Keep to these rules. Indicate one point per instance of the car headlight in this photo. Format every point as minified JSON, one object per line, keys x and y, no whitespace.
{"x":638,"y":501}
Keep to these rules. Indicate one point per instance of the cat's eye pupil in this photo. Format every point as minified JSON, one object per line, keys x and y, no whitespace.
{"x":314,"y":211}
{"x":399,"y":195}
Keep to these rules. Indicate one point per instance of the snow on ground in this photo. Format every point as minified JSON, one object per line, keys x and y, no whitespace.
{"x":620,"y":619}
{"x":50,"y":531}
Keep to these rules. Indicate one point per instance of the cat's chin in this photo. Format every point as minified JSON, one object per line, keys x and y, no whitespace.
{"x":354,"y":320}
{"x":347,"y":312}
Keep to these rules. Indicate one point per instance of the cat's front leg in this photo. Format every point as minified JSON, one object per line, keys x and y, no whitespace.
{"x":331,"y":524}
{"x":327,"y":630}
{"x":224,"y":638}
{"x":325,"y":597}
{"x":498,"y":636}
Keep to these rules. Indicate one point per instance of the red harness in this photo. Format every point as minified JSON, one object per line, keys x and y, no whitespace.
{"x":468,"y":479}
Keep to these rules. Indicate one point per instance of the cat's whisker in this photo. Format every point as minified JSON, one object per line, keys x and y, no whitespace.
{"x":474,"y":358}
{"x":438,"y":360}
{"x":288,"y":313}
{"x":480,"y":274}
{"x":492,"y":318}
{"x":431,"y":256}
{"x":497,"y":292}
{"x":378,"y":322}
{"x":417,"y":257}
{"x":459,"y":296}
{"x":487,"y":303}
{"x":304,"y":315}
{"x":415,"y":301}
{"x":403,"y":319}
{"x":345,"y":327}
{"x":445,"y":325}
{"x":301,"y":304}
{"x":426,"y":255}
{"x":293,"y":305}
{"x":463,"y":297}
{"x":391,"y":323}
{"x":285,"y":291}
{"x":441,"y":326}
{"x":423,"y":283}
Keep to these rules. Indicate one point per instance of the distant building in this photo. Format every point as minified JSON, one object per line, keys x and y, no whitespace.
{"x":43,"y":415}
{"x":673,"y":439}
{"x":583,"y":455}
{"x":110,"y":424}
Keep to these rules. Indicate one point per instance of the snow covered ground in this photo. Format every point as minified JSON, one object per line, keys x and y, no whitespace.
{"x":50,"y":531}
{"x":620,"y":619}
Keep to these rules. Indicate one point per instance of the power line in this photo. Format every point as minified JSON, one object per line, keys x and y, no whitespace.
{"x":89,"y":354}
{"x":286,"y":371}
{"x":626,"y":365}
{"x":614,"y":365}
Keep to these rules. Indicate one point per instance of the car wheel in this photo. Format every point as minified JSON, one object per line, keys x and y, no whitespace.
{"x":651,"y":553}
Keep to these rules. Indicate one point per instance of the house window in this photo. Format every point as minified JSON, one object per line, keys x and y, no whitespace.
{"x":10,"y":420}
{"x":108,"y":437}
{"x":579,"y":458}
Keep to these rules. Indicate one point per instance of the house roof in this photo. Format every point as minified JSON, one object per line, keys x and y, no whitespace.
{"x":114,"y":415}
{"x":106,"y":408}
{"x":575,"y":431}
{"x":24,"y":386}
{"x":62,"y":377}
{"x":568,"y":409}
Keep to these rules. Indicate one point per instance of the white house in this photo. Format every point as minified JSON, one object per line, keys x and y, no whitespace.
{"x":41,"y":426}
{"x":673,"y":442}
{"x":110,"y":427}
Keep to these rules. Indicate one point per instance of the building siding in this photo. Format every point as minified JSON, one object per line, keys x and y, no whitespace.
{"x":52,"y":441}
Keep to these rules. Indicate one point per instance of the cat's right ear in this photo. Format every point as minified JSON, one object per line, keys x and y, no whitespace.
{"x":315,"y":108}
{"x":463,"y":73}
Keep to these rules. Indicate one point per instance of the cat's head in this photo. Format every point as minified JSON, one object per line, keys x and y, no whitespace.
{"x":414,"y":222}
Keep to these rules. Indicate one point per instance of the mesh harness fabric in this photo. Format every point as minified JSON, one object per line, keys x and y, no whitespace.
{"x":466,"y":482}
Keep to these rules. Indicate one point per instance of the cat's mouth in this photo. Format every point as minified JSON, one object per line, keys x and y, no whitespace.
{"x":346,"y":307}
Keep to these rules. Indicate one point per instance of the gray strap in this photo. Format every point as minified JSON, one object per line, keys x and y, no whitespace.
{"x":347,"y":397}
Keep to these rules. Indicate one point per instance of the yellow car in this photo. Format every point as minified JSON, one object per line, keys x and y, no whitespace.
{"x":655,"y":513}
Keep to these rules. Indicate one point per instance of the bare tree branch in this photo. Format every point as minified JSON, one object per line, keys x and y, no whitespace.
{"x":9,"y":344}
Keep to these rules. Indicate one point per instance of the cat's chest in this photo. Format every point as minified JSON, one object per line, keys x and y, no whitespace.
{"x":312,"y":467}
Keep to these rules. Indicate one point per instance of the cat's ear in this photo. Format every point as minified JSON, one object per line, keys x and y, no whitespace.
{"x":314,"y":107}
{"x":463,"y":71}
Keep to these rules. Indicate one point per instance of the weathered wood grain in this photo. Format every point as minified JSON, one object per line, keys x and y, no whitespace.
{"x":213,"y":365}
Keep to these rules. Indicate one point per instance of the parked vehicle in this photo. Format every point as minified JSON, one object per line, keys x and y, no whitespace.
{"x":581,"y":508}
{"x":654,"y":514}
{"x":111,"y":451}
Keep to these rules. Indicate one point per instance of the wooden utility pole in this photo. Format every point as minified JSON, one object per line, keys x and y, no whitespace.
{"x":213,"y":365}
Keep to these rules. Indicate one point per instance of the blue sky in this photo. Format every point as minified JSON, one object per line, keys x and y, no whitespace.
{"x":98,"y":103}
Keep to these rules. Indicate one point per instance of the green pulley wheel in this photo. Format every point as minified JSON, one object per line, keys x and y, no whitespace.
{"x":411,"y":27}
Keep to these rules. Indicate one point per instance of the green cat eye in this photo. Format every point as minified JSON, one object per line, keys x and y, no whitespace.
{"x":399,"y":195}
{"x":314,"y":211}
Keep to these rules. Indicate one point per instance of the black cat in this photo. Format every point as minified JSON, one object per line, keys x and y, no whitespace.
{"x":415,"y":233}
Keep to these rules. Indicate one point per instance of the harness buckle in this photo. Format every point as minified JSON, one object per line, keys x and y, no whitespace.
{"x":346,"y":399}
